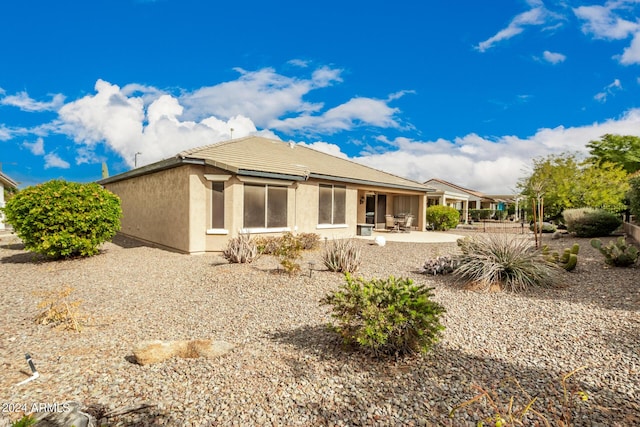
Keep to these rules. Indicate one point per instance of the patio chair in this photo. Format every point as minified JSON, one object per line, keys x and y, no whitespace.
{"x":390,"y":223}
{"x":406,"y":227}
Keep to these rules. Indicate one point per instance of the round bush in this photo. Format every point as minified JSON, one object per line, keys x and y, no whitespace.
{"x":587,"y":222}
{"x":62,"y":219}
{"x":443,"y":217}
{"x":386,"y":316}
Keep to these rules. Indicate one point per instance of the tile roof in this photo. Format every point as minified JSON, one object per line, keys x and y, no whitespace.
{"x":457,"y":187}
{"x":255,"y":154}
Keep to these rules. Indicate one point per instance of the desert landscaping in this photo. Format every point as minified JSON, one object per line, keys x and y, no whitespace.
{"x":287,"y":368}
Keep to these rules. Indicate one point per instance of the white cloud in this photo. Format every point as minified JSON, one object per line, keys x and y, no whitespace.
{"x":553,"y":57}
{"x":631,"y":54}
{"x":536,"y":16}
{"x":127,"y":125}
{"x":610,"y":89}
{"x":603,"y":22}
{"x":353,"y":113}
{"x":608,"y":22}
{"x":36,"y":148}
{"x":23,"y":101}
{"x":491,"y":166}
{"x":298,"y":63}
{"x":5,"y":133}
{"x":52,"y":160}
{"x":261,"y":95}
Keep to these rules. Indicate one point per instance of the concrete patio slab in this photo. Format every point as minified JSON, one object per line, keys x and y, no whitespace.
{"x":414,"y":237}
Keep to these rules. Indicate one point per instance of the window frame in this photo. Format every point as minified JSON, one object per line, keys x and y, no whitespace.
{"x":267,"y":226}
{"x":334,"y":206}
{"x":217,"y":180}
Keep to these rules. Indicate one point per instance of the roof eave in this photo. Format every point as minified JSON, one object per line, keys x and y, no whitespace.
{"x":418,"y":187}
{"x":8,"y":181}
{"x":144,"y":170}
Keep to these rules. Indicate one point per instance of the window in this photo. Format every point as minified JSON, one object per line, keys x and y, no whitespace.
{"x":407,"y":205}
{"x":332,"y":204}
{"x":217,"y":205}
{"x":265,"y":206}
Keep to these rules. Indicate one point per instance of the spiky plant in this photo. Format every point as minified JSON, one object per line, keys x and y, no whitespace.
{"x":342,"y":255}
{"x":509,"y":262}
{"x":241,"y":249}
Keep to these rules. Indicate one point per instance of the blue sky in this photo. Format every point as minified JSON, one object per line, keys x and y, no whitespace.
{"x":459,"y":91}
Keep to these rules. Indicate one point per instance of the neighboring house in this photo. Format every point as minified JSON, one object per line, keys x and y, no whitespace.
{"x":196,"y":201}
{"x":5,"y":182}
{"x":464,"y":199}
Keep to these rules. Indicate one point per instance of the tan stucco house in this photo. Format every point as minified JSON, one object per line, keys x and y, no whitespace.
{"x":5,"y":182}
{"x":463,"y":199}
{"x":194,"y":202}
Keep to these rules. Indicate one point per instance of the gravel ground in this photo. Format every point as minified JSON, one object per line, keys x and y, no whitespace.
{"x":287,"y":368}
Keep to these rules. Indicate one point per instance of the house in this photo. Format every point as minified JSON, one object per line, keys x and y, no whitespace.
{"x":464,"y":199}
{"x":5,"y":182}
{"x":199,"y":199}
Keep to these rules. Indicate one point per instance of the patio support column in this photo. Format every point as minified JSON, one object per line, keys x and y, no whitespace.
{"x":465,"y":210}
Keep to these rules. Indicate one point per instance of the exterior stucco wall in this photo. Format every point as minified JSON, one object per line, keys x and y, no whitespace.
{"x":304,"y":218}
{"x":173,"y":208}
{"x":632,"y":231}
{"x":156,"y":207}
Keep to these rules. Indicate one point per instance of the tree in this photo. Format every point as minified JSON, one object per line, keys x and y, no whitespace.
{"x":564,"y":182}
{"x":623,"y":150}
{"x":554,"y":178}
{"x":62,"y":219}
{"x":604,"y":186}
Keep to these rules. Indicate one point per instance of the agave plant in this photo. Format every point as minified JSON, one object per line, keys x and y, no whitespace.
{"x":509,"y":262}
{"x":342,"y":255}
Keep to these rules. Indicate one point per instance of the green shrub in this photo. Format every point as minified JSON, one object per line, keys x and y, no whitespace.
{"x":62,"y":219}
{"x":25,"y":421}
{"x":342,"y":255}
{"x":480,"y":214}
{"x":500,"y":215}
{"x":617,"y":253}
{"x":588,"y":222}
{"x":240,"y":249}
{"x":269,"y":245}
{"x":288,"y":252}
{"x":442,"y":217}
{"x":386,"y":316}
{"x":509,"y":262}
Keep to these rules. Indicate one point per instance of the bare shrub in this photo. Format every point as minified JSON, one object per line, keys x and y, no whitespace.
{"x":241,"y":249}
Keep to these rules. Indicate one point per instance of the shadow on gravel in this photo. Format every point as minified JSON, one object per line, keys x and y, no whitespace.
{"x":425,"y":388}
{"x":13,"y":246}
{"x":25,"y":258}
{"x":139,"y":416}
{"x":127,"y":242}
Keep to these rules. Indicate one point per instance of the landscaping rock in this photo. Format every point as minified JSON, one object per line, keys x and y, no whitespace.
{"x":67,"y":414}
{"x":148,"y":352}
